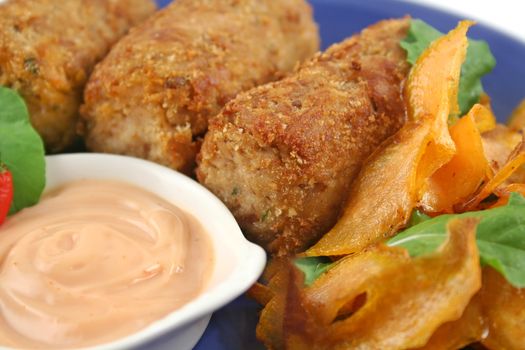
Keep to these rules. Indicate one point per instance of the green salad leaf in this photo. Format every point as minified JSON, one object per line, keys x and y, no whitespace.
{"x":479,"y":61}
{"x":21,"y":150}
{"x":500,"y":237}
{"x":312,"y":267}
{"x":420,"y":35}
{"x":417,"y":217}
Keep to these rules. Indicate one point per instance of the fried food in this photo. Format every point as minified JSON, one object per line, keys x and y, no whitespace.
{"x":463,"y":175}
{"x":48,"y":49}
{"x":484,"y":116}
{"x":504,"y":307}
{"x":282,"y":156}
{"x":370,"y":296}
{"x":378,"y":299}
{"x":504,"y":193}
{"x":382,"y":197}
{"x":156,"y":90}
{"x":468,"y":329}
{"x":499,"y":143}
{"x":514,"y":163}
{"x":393,"y":179}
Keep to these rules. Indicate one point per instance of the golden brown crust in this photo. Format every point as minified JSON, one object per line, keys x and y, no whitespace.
{"x":157,"y":88}
{"x":282,"y":156}
{"x":47,"y":51}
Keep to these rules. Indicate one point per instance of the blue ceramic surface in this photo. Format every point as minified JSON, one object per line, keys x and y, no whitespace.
{"x":233,"y":327}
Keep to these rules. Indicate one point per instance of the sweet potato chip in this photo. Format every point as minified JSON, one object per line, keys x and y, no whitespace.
{"x":274,"y":265}
{"x":463,"y":175}
{"x":499,"y":144}
{"x":485,"y":119}
{"x":260,"y":293}
{"x":483,"y":114}
{"x":517,"y":118}
{"x":391,"y":181}
{"x":470,"y":328}
{"x":380,"y":298}
{"x":516,"y":160}
{"x":504,"y":307}
{"x":503,"y":194}
{"x":331,"y":298}
{"x":270,"y":327}
{"x":432,"y":90}
{"x":383,"y":196}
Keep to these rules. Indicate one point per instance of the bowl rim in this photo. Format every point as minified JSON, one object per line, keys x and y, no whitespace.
{"x":431,"y":6}
{"x":236,"y":282}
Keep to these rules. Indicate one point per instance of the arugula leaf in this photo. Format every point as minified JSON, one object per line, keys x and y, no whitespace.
{"x":420,"y":35}
{"x":500,"y":237}
{"x":417,"y":217}
{"x":312,"y":267}
{"x":479,"y":61}
{"x":21,"y":150}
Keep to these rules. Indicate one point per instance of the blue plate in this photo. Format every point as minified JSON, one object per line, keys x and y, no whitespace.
{"x":233,"y":327}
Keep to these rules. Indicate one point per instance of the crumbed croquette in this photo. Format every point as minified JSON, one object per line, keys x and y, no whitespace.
{"x":48,"y":48}
{"x":153,"y":94}
{"x":282,"y":156}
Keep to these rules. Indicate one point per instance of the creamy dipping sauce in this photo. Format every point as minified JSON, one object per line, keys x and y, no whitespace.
{"x":94,"y":261}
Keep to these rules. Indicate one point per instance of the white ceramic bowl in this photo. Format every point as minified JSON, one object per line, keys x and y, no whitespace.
{"x":238,"y":263}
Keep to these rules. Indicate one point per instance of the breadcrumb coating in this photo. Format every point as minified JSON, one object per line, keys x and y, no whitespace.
{"x":48,"y":48}
{"x":153,"y":94}
{"x":282,"y":156}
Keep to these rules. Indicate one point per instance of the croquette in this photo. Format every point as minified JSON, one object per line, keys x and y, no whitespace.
{"x":48,"y":48}
{"x":153,"y":94}
{"x":282,"y":156}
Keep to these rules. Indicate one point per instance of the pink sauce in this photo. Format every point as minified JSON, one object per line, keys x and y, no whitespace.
{"x":95,"y":261}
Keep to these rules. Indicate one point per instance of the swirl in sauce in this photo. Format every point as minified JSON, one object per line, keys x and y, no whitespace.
{"x":94,"y":261}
